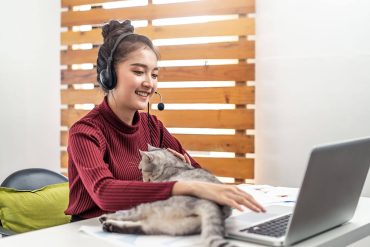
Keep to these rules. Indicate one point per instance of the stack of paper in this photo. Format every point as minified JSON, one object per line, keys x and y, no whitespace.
{"x":266,"y":194}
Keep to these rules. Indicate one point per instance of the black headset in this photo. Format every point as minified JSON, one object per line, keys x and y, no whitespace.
{"x":107,"y":77}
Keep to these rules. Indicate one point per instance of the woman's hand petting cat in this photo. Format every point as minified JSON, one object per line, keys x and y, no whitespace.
{"x":184,"y":158}
{"x":222,"y":194}
{"x":229,"y":195}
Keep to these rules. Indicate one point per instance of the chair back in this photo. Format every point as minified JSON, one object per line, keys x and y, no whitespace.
{"x":32,"y":179}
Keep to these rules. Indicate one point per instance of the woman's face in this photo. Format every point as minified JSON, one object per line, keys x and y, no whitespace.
{"x":136,"y":80}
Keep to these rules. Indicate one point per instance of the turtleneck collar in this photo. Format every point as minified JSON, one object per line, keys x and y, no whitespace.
{"x":112,"y":118}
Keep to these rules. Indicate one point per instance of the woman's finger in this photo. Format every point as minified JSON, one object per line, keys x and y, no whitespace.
{"x":245,"y":199}
{"x":252,"y":200}
{"x":241,"y":200}
{"x":187,"y":159}
{"x":234,"y":204}
{"x":251,"y":205}
{"x":255,"y":203}
{"x":177,"y":154}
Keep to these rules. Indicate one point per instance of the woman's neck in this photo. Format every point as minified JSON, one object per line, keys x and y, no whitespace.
{"x":125,"y":115}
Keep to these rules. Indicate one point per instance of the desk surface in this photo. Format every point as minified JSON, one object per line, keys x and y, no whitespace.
{"x":69,"y":234}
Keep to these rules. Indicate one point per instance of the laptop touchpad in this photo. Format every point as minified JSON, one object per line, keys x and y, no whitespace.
{"x":251,"y":218}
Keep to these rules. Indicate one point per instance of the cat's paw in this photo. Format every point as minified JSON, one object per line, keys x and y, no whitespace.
{"x":103,"y":218}
{"x":122,"y":227}
{"x":108,"y":226}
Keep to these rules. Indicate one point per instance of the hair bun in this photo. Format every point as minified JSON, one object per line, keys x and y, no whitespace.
{"x":114,"y":28}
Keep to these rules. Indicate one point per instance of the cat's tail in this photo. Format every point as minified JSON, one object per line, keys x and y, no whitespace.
{"x":213,"y":225}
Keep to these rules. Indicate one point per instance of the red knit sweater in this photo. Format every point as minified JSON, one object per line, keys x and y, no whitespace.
{"x":103,"y":162}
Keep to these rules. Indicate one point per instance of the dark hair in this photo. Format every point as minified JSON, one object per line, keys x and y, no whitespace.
{"x":110,"y":32}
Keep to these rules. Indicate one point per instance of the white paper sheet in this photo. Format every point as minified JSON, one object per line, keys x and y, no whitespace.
{"x":266,"y":194}
{"x":131,"y":240}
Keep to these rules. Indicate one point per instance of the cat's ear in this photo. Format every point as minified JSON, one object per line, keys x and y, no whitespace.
{"x":146,"y":155}
{"x":151,"y":148}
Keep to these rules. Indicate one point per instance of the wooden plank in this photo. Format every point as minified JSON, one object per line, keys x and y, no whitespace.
{"x":224,"y":167}
{"x":228,"y":167}
{"x":232,"y":72}
{"x":71,"y":3}
{"x":224,"y":119}
{"x":158,"y":11}
{"x":237,"y":27}
{"x":222,"y":50}
{"x":71,"y":96}
{"x":68,"y":57}
{"x":63,"y":138}
{"x":217,"y":143}
{"x":78,"y":76}
{"x":211,"y":95}
{"x":64,"y":159}
{"x":229,"y":72}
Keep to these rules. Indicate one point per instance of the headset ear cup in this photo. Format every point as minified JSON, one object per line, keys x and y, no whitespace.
{"x":108,"y":77}
{"x":113,"y":78}
{"x":104,"y":79}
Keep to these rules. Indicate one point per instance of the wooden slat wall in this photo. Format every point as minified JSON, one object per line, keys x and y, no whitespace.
{"x":224,"y":50}
{"x":157,"y":11}
{"x":217,"y":28}
{"x":242,"y":94}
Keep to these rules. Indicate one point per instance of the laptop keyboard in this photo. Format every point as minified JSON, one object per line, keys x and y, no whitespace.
{"x":273,"y":228}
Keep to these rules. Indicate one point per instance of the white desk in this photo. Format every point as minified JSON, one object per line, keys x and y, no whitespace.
{"x":69,"y":235}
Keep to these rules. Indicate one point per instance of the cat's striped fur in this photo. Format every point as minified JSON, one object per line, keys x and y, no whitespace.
{"x":178,"y":215}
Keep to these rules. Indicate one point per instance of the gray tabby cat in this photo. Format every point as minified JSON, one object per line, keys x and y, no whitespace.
{"x":178,"y":215}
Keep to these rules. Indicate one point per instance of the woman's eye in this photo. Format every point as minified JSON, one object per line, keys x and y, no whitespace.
{"x":154,"y":76}
{"x":137,"y":72}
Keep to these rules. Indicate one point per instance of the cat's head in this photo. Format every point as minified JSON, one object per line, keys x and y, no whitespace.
{"x":159,"y":164}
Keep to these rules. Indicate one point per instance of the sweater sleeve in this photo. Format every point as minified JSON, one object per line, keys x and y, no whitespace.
{"x":169,"y":141}
{"x":86,"y":150}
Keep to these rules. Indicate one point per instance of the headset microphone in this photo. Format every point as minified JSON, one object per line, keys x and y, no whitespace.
{"x":160,"y":104}
{"x":161,"y":108}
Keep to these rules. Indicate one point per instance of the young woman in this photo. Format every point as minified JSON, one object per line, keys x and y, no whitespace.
{"x":104,"y":145}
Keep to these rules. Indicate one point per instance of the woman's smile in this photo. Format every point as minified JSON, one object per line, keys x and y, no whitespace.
{"x":142,"y":93}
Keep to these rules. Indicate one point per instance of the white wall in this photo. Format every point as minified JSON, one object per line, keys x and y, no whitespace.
{"x":313,"y":82}
{"x":29,"y":85}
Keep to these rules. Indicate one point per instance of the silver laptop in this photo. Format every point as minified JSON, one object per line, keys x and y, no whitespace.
{"x":328,"y":197}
